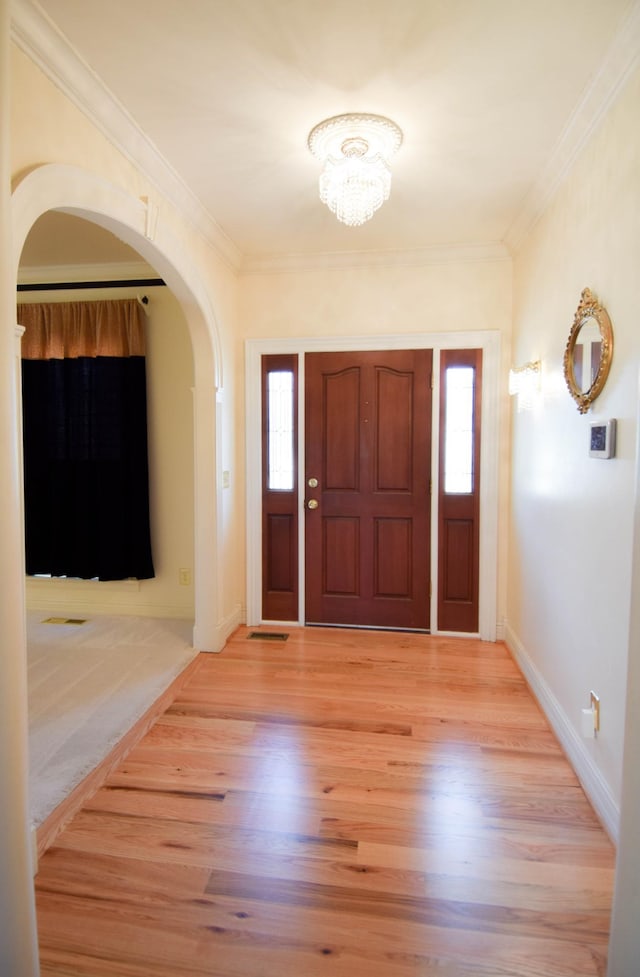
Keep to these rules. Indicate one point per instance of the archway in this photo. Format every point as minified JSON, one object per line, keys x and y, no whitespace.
{"x":135,"y":221}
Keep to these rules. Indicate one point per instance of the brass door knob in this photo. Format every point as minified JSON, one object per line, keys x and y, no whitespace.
{"x":312,"y":504}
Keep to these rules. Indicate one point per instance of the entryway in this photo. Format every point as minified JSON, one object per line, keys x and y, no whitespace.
{"x":351,"y":529}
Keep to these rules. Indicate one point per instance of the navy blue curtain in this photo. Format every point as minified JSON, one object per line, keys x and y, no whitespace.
{"x":85,"y":467}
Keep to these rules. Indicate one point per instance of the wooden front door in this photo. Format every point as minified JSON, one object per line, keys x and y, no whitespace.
{"x":367,"y":488}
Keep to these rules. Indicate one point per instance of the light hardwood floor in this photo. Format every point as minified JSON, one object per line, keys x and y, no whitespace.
{"x":345,"y":803}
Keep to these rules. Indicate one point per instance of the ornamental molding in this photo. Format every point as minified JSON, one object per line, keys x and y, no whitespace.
{"x":46,"y":46}
{"x":416,"y":258}
{"x":111,"y":271}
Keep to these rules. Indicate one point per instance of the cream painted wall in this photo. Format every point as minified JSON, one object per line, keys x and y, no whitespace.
{"x":47,"y":128}
{"x":624,"y":943}
{"x":171,"y":461}
{"x":369,"y":299}
{"x":395,"y":298}
{"x":171,"y":454}
{"x":572,"y":516}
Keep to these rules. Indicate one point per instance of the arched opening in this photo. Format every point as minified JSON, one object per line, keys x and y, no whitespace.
{"x":67,"y":259}
{"x":72,"y":190}
{"x":44,"y":200}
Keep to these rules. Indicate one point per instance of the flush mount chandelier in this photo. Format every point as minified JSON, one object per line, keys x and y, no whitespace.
{"x":355,"y":150}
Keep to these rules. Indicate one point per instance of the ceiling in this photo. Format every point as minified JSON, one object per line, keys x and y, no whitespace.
{"x":492,"y":96}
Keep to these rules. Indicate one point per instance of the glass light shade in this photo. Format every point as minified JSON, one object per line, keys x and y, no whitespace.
{"x":524,"y":383}
{"x":354,"y":187}
{"x":355,"y":150}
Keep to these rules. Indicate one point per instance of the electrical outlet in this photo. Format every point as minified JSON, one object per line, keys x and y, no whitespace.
{"x":184,"y":577}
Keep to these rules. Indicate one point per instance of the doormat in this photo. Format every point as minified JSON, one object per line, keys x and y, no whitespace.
{"x":268,"y":635}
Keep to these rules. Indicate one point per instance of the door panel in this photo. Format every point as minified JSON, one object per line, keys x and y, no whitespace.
{"x":340,"y":431}
{"x":281,"y":543}
{"x":394,"y":457}
{"x":393,"y":549}
{"x":341,"y":544}
{"x":457,"y":564}
{"x":368,"y":434}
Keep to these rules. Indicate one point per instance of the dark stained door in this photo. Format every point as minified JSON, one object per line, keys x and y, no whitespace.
{"x":368,"y":447}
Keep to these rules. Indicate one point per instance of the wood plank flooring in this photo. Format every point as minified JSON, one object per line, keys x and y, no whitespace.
{"x":343,"y":803}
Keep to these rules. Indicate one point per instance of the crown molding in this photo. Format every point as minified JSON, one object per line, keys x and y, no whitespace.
{"x":39,"y":38}
{"x":105,"y":272}
{"x":445,"y":254}
{"x":620,"y":59}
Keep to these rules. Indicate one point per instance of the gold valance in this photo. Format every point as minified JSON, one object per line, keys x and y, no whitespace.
{"x":67,"y":330}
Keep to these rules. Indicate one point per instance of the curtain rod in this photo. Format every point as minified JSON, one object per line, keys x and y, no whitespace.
{"x":56,"y":286}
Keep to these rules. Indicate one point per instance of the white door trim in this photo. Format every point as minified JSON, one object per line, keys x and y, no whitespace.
{"x":489,"y":342}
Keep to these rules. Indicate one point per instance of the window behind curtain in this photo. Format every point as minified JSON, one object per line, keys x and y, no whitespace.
{"x":85,"y":440}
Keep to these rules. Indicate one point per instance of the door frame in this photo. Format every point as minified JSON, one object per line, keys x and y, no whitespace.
{"x":489,"y":342}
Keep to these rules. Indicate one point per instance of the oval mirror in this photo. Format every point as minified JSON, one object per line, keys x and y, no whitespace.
{"x":587,"y":357}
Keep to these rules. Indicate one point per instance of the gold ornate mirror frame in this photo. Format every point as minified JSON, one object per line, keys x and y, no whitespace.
{"x":589,"y":308}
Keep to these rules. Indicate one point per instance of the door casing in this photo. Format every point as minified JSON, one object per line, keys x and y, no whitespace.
{"x":489,"y":342}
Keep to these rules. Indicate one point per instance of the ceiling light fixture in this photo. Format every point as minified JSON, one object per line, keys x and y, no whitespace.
{"x":355,"y":150}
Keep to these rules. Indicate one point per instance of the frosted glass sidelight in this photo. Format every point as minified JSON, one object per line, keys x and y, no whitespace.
{"x":280,"y":473}
{"x":458,"y":430}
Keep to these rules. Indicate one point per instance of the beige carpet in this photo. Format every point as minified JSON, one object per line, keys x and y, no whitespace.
{"x":88,"y":684}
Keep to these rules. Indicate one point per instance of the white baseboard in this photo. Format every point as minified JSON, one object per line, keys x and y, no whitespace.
{"x":81,"y":608}
{"x":595,"y":786}
{"x":80,"y":598}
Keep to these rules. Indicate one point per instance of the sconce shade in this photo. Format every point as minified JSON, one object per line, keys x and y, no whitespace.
{"x":524,"y":382}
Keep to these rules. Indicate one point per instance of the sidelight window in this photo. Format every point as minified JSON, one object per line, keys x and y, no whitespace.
{"x":280,"y":431}
{"x":279,"y":487}
{"x":458,"y":430}
{"x":459,"y":490}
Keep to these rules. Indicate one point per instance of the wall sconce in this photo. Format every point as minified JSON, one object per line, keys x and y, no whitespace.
{"x":524,"y":383}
